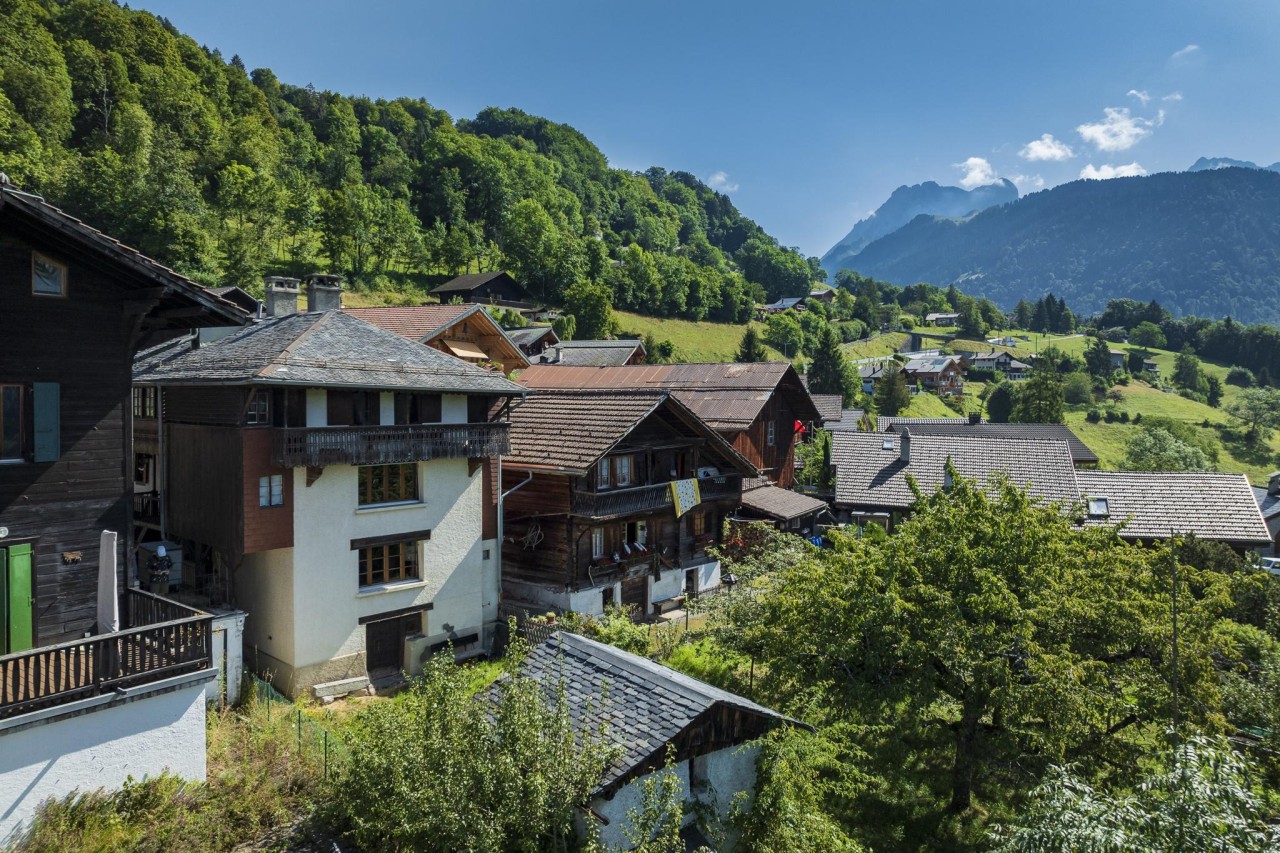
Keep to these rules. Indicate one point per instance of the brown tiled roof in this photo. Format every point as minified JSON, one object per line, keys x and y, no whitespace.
{"x":871,"y":474}
{"x":570,"y":430}
{"x":1154,"y":504}
{"x":728,"y":396}
{"x":415,"y":322}
{"x":782,"y":504}
{"x":830,"y":406}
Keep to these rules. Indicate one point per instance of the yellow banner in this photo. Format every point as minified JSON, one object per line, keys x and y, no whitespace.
{"x":685,"y":494}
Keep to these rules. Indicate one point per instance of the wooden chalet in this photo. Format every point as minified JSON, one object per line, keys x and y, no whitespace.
{"x":533,"y":340}
{"x":485,"y":288}
{"x":607,"y":353}
{"x":755,"y":407}
{"x":92,"y":670}
{"x":467,"y":332}
{"x":612,"y":498}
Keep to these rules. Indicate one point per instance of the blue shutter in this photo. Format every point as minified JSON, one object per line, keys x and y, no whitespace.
{"x":48,"y":421}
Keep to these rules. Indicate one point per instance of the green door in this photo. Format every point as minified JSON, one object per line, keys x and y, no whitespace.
{"x":16,"y":600}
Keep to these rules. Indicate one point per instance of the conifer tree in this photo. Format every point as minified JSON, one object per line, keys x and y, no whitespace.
{"x":892,"y":395}
{"x":751,"y":349}
{"x":830,"y":373}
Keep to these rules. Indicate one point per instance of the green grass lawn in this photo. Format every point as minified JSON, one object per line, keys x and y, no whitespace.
{"x":926,"y":405}
{"x":694,"y":342}
{"x":880,"y":345}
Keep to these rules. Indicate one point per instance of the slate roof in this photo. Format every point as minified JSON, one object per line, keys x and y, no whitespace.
{"x":786,"y":303}
{"x":328,"y":348}
{"x":1157,"y":503}
{"x":1080,"y":452}
{"x":643,"y":705}
{"x":779,"y":503}
{"x":870,"y":475}
{"x":571,"y":430}
{"x":39,"y":219}
{"x":850,"y":420}
{"x":1269,"y":504}
{"x":830,"y":407}
{"x":530,"y":335}
{"x":591,"y":353}
{"x":887,"y":422}
{"x":727,"y":396}
{"x":469,"y":282}
{"x":945,"y":315}
{"x":416,"y":322}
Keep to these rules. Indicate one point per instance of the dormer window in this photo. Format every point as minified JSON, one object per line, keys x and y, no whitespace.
{"x":48,"y":277}
{"x":1098,"y":508}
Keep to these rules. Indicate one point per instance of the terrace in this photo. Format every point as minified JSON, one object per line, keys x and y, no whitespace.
{"x":388,"y":445}
{"x":618,"y":502}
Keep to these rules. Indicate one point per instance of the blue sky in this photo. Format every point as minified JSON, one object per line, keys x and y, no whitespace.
{"x":808,"y":114}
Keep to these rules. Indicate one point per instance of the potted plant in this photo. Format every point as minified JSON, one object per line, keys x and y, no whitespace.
{"x":158,"y":569}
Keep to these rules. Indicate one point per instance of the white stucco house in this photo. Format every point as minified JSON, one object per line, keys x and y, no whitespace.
{"x":648,"y":711}
{"x":341,"y":482}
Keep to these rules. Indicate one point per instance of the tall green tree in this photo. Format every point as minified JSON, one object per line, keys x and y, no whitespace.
{"x":750,"y":349}
{"x":593,"y":314}
{"x":1041,"y":398}
{"x":830,"y":373}
{"x":1001,"y":400}
{"x":1097,"y":357}
{"x":892,"y":395}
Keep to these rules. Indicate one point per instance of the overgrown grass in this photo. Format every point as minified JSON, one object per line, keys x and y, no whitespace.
{"x":926,"y":405}
{"x":259,"y":781}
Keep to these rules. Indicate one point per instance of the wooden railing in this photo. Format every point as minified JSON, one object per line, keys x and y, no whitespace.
{"x":649,"y":498}
{"x":388,"y":445}
{"x":163,"y":639}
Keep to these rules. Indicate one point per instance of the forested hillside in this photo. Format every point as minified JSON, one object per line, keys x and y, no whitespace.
{"x":1205,"y":243}
{"x":227,"y":174}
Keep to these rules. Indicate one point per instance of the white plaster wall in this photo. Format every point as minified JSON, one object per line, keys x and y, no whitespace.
{"x":228,"y":656}
{"x":317,"y":407}
{"x":729,"y":771}
{"x":668,"y":584}
{"x":453,"y":409}
{"x":386,"y":408}
{"x":327,"y":600}
{"x":264,"y":589}
{"x":707,"y":575}
{"x":100,"y":749}
{"x":586,"y":601}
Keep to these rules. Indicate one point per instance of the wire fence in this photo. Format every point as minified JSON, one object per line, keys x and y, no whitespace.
{"x":314,"y":740}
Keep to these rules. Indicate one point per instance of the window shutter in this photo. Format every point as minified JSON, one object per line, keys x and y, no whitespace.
{"x":48,"y":421}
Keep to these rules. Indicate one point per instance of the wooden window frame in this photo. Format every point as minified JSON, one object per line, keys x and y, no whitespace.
{"x":61,"y":267}
{"x":619,"y":466}
{"x":24,"y":430}
{"x":258,"y":412}
{"x":365,"y":485}
{"x":771,"y":434}
{"x":145,"y":401}
{"x":603,"y":478}
{"x":374,"y":563}
{"x":268,"y":491}
{"x":698,"y":523}
{"x":599,"y":547}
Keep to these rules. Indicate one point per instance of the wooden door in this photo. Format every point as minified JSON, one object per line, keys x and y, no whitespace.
{"x":384,"y":645}
{"x":17,"y":601}
{"x":635,"y":593}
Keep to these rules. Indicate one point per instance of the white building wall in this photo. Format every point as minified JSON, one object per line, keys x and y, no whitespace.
{"x":264,"y":588}
{"x":729,"y":771}
{"x":327,"y":600}
{"x":453,"y":409}
{"x":317,"y":407}
{"x":100,"y":748}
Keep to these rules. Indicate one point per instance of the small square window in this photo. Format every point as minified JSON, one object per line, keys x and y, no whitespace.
{"x":48,"y":277}
{"x":1098,"y":508}
{"x":771,"y":433}
{"x":259,"y":412}
{"x":271,"y":490}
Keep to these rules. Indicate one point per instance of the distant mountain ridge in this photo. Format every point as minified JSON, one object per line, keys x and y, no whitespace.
{"x":908,"y":202}
{"x":1204,"y":242}
{"x":1206,"y":163}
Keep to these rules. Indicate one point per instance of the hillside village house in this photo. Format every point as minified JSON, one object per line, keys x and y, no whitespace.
{"x":1268,"y":500}
{"x":1081,"y":455}
{"x":613,"y":353}
{"x":1000,"y":362}
{"x":462,"y":331}
{"x":612,"y":498}
{"x":533,"y":340}
{"x":942,"y":374}
{"x":648,"y":711}
{"x":80,"y":707}
{"x":335,"y":475}
{"x":872,"y":469}
{"x":485,"y":288}
{"x":758,"y":408}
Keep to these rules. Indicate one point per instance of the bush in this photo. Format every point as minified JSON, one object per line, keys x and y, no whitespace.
{"x":1241,"y":376}
{"x":1077,"y":388}
{"x":981,"y":374}
{"x":1093,"y":416}
{"x":908,"y":323}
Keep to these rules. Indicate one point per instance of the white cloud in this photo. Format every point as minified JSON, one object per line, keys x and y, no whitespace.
{"x":1141,"y":94}
{"x":1186,"y":53}
{"x":1105,"y":171}
{"x":1027,"y":183}
{"x":1173,"y":97}
{"x":1046,"y":148}
{"x":720,"y":182}
{"x":1118,"y":130}
{"x":977,"y":173}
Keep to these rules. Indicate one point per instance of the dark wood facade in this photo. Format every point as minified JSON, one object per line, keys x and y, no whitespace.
{"x":68,"y":358}
{"x":770,"y":442}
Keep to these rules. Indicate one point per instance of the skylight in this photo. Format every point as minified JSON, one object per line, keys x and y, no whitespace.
{"x":887,"y":444}
{"x":1098,"y":508}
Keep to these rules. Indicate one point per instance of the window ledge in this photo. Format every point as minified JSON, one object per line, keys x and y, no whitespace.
{"x":361,"y":510}
{"x":393,"y":586}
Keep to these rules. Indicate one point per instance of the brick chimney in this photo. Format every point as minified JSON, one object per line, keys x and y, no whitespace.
{"x":281,"y":297}
{"x":904,"y":445}
{"x":324,"y":293}
{"x":1273,"y":484}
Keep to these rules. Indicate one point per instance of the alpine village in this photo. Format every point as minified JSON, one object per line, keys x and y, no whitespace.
{"x":375,"y":480}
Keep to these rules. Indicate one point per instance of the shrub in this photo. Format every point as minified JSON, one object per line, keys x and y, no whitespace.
{"x":981,"y":374}
{"x":1241,"y":376}
{"x":1093,"y":416}
{"x":1077,"y":388}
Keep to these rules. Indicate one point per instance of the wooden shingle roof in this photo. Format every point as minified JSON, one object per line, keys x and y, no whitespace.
{"x":1158,"y":504}
{"x":782,"y":504}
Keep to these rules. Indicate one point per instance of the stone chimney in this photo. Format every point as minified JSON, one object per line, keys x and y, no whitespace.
{"x":281,"y":297}
{"x":904,"y":444}
{"x":1273,"y":484}
{"x":974,"y":419}
{"x":324,"y":293}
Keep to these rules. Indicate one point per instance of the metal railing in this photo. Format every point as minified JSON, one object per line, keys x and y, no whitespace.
{"x":387,"y":445}
{"x":648,"y":498}
{"x":164,"y":639}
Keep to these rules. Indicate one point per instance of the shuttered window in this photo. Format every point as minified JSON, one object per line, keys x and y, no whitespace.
{"x":12,"y":418}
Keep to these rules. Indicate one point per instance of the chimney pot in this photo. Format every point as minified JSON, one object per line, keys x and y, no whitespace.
{"x":280,"y":296}
{"x":324,"y":293}
{"x":904,"y":446}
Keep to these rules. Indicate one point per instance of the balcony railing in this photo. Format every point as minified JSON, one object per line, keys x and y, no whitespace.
{"x":164,"y":639}
{"x":388,"y":445}
{"x":649,"y":498}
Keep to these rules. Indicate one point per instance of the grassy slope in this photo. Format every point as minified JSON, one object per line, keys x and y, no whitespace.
{"x":694,"y":342}
{"x":886,"y":344}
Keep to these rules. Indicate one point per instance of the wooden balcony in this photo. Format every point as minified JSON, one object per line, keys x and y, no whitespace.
{"x":616,"y":502}
{"x":387,"y":445}
{"x":163,"y":639}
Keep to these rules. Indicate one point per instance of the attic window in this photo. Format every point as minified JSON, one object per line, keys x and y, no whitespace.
{"x":48,"y":277}
{"x":1098,"y":508}
{"x":886,"y":444}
